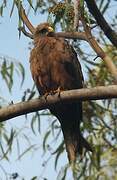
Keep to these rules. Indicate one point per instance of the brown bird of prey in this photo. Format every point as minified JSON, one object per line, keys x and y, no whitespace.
{"x":54,"y":65}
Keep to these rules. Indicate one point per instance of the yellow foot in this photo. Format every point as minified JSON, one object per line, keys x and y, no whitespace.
{"x":58,"y":91}
{"x":46,"y":95}
{"x":52,"y":92}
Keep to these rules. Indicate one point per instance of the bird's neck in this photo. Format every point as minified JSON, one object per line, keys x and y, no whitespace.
{"x":39,"y":40}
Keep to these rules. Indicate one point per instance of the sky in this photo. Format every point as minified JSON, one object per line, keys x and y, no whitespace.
{"x":12,"y":46}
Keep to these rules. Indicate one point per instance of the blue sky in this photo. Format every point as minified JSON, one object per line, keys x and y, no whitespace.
{"x":17,"y":48}
{"x":31,"y":164}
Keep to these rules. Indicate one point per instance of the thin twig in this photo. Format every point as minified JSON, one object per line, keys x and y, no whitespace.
{"x":111,"y":34}
{"x":95,"y":58}
{"x":25,"y":18}
{"x":25,"y":32}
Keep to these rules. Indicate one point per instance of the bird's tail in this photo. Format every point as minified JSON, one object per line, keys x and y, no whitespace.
{"x":75,"y":143}
{"x":69,"y":117}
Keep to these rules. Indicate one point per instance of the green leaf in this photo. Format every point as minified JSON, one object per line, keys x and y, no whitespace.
{"x":22,"y":71}
{"x":34,"y":178}
{"x":45,"y":139}
{"x":105,"y":7}
{"x":30,"y":3}
{"x":26,"y":151}
{"x":59,"y":151}
{"x":1,"y":10}
{"x":13,"y":5}
{"x":32,"y":94}
{"x":101,"y":4}
{"x":9,"y":141}
{"x":8,"y":67}
{"x":62,"y":173}
{"x":3,"y":153}
{"x":34,"y":118}
{"x":38,"y":122}
{"x":19,"y":26}
{"x":81,"y":3}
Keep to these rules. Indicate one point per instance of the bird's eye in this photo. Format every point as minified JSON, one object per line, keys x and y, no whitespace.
{"x":43,"y":31}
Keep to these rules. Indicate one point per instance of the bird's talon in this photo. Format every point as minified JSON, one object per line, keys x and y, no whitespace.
{"x":58,"y":91}
{"x":46,"y":95}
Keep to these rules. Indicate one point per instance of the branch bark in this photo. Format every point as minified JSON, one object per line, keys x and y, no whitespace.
{"x":70,"y":35}
{"x":24,"y":17}
{"x":22,"y":29}
{"x":111,"y":34}
{"x":96,"y":93}
{"x":76,"y":4}
{"x":94,"y":44}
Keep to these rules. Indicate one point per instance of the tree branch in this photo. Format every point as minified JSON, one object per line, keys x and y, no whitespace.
{"x":94,"y":44}
{"x":70,"y":35}
{"x":111,"y":34}
{"x":24,"y":17}
{"x":76,"y":4}
{"x":87,"y":36}
{"x":22,"y":29}
{"x":101,"y":92}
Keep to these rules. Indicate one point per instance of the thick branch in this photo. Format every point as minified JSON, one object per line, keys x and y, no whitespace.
{"x":22,"y":108}
{"x":102,"y":22}
{"x":70,"y":35}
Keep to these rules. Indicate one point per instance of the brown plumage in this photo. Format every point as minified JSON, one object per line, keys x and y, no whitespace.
{"x":54,"y":64}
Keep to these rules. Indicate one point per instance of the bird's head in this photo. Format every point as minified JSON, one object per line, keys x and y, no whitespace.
{"x":43,"y":29}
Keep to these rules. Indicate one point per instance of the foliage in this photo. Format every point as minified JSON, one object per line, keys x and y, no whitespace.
{"x":63,"y":14}
{"x":100,"y":117}
{"x":8,"y":67}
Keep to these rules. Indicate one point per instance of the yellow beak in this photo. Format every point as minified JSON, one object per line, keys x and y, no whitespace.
{"x":50,"y":29}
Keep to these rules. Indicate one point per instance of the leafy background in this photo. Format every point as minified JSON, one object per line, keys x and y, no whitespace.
{"x":39,"y":135}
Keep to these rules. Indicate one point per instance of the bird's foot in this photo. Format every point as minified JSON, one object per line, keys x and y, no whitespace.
{"x":58,"y":91}
{"x":52,"y":92}
{"x":46,"y":95}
